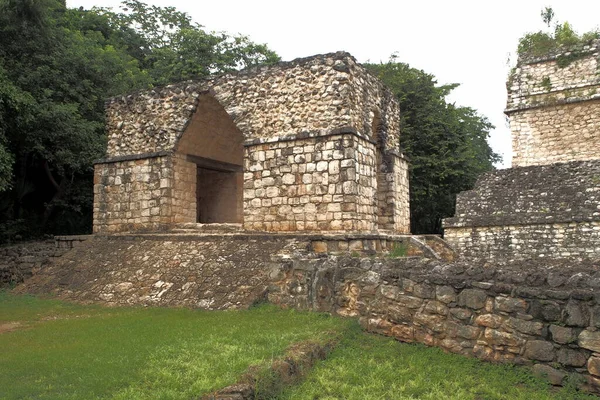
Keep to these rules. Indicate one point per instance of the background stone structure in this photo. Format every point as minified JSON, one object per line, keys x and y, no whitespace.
{"x":553,"y":104}
{"x":308,"y":145}
{"x":548,"y":204}
{"x":547,"y":211}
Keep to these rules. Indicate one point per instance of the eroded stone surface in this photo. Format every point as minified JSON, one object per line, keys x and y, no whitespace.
{"x":209,"y":273}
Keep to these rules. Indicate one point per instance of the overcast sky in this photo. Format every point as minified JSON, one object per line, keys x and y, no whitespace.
{"x":461,"y":41}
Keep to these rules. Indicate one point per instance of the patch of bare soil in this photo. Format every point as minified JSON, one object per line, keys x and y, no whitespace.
{"x":10,"y":326}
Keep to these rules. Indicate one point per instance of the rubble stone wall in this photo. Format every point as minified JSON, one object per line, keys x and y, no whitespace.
{"x":553,"y":107}
{"x":19,"y":262}
{"x":545,"y":316}
{"x":316,"y":94}
{"x":530,"y":212}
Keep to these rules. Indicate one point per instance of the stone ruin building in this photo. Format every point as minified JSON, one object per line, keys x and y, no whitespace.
{"x":304,"y":146}
{"x":548,"y":204}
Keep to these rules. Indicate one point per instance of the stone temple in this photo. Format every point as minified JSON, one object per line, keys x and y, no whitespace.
{"x":548,"y":204}
{"x":309,"y":145}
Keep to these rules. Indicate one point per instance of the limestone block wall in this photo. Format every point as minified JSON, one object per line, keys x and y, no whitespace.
{"x":553,"y":105}
{"x":20,"y":261}
{"x":320,"y":183}
{"x":133,"y":194}
{"x":541,"y":315}
{"x":545,"y":211}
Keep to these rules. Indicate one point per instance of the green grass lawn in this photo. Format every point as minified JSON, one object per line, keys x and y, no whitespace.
{"x":374,"y":367}
{"x":68,"y":351}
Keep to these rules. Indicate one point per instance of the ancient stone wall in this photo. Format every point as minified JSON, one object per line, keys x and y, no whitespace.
{"x":19,"y":262}
{"x":530,"y":212}
{"x":544,"y":314}
{"x":320,"y":183}
{"x":316,"y":94}
{"x":541,"y":315}
{"x":315,"y":139}
{"x":211,"y":272}
{"x":133,"y":194}
{"x":553,"y":104}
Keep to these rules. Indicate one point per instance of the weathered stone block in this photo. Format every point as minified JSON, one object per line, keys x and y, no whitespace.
{"x":461,"y":313}
{"x":576,"y":314}
{"x":496,"y":337}
{"x":554,"y":376}
{"x":571,"y":358}
{"x":472,"y":298}
{"x":590,"y":340}
{"x":424,"y":291}
{"x":593,"y":365}
{"x":562,"y":335}
{"x":445,"y":294}
{"x":539,"y":350}
{"x":510,"y":304}
{"x":528,"y":327}
{"x":403,"y":333}
{"x":490,"y":320}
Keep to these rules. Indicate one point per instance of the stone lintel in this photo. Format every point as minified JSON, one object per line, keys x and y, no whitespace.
{"x":133,"y":157}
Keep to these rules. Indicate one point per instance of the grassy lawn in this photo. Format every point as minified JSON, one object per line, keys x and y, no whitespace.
{"x":374,"y":367}
{"x":66,"y":351}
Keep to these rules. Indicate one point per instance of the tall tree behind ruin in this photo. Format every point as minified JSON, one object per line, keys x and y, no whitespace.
{"x":447,"y":145}
{"x":57,"y":67}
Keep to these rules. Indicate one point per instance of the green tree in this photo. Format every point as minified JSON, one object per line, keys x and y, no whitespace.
{"x":57,"y":67}
{"x":53,"y":83}
{"x":447,"y":145}
{"x":171,"y":47}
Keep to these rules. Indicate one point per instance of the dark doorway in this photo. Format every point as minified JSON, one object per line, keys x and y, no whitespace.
{"x":218,"y":195}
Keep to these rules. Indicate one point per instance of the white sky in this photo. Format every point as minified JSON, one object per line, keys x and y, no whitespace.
{"x":462,"y":41}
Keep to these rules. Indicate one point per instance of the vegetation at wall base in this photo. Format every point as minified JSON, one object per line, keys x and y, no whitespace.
{"x":374,"y":367}
{"x":69,"y":351}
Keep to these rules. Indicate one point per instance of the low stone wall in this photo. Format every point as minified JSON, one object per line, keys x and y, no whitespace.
{"x":19,"y":262}
{"x":203,"y":271}
{"x":547,"y":315}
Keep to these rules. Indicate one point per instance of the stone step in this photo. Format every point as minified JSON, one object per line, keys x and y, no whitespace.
{"x":207,"y":228}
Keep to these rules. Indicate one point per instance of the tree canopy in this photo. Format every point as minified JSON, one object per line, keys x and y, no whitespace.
{"x":57,"y":67}
{"x":446,"y":145}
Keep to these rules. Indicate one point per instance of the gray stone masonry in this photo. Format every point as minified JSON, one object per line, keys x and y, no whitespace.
{"x":307,"y":145}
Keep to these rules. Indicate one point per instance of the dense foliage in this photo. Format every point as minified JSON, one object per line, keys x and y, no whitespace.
{"x":57,"y":66}
{"x":447,"y":145}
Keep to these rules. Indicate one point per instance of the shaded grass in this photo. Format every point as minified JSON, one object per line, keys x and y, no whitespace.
{"x":87,"y":352}
{"x":373,"y":367}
